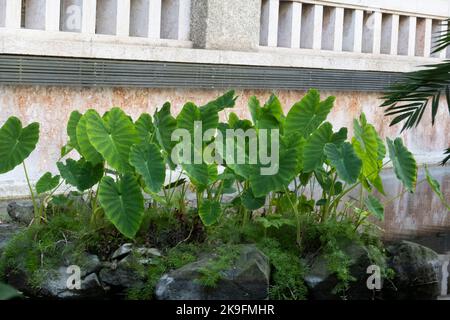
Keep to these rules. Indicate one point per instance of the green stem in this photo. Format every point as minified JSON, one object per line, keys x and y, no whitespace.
{"x":37,"y":217}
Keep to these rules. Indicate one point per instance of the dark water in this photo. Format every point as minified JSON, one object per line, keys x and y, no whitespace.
{"x":420,"y":216}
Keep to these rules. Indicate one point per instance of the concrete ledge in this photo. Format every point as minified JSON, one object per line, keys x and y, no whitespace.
{"x":65,"y":44}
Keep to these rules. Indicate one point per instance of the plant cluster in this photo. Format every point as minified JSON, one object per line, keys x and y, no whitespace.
{"x":324,"y":178}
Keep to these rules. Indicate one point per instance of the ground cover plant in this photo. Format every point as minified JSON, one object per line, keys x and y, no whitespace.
{"x":312,"y":189}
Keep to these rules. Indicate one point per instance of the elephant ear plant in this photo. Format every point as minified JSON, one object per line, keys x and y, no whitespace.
{"x":312,"y":154}
{"x":120,"y":161}
{"x":125,"y":159}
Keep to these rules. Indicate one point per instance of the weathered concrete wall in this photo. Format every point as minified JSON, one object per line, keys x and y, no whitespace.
{"x":51,"y":107}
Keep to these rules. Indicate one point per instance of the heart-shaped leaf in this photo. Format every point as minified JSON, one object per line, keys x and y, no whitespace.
{"x":209,"y":212}
{"x":308,"y":114}
{"x":345,"y":160}
{"x":81,"y":174}
{"x":149,"y":163}
{"x":46,"y":183}
{"x":113,"y":138}
{"x":367,"y":147}
{"x":165,"y":124}
{"x":313,"y":153}
{"x":145,"y":128}
{"x":405,"y":166}
{"x":250,"y":201}
{"x":87,"y":150}
{"x":16,"y":143}
{"x":123,"y":203}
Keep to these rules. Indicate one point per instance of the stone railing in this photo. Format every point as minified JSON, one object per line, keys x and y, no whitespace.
{"x":150,"y":19}
{"x":392,"y":27}
{"x":327,"y":34}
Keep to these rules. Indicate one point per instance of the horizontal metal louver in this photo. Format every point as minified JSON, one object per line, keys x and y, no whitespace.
{"x":56,"y":71}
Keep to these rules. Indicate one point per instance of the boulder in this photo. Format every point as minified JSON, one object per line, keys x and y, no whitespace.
{"x":56,"y":287}
{"x":417,"y":272}
{"x":21,"y":211}
{"x":248,"y":279}
{"x":122,"y":274}
{"x":321,"y":282}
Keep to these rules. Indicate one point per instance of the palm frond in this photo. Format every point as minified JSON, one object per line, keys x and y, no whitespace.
{"x":447,"y":158}
{"x":408,"y":99}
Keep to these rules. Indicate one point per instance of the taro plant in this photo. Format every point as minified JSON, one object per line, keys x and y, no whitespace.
{"x":16,"y":145}
{"x":312,"y":155}
{"x":122,"y":159}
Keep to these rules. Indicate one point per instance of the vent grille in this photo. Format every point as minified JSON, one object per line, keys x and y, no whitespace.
{"x":55,"y":71}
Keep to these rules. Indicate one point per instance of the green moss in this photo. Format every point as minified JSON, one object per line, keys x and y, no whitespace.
{"x":38,"y":249}
{"x":287,"y":271}
{"x":212,"y":273}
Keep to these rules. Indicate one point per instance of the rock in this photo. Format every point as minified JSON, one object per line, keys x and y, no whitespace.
{"x":247,"y":279}
{"x":122,"y":252}
{"x":91,"y":264}
{"x":417,"y":272}
{"x":21,"y":212}
{"x":123,"y":274}
{"x":57,"y":287}
{"x":321,"y":282}
{"x":7,"y":232}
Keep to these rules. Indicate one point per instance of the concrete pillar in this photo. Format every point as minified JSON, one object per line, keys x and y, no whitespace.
{"x":289,"y":24}
{"x":407,"y":36}
{"x":269,"y":23}
{"x":226,"y":25}
{"x":389,"y":34}
{"x":11,"y":13}
{"x":89,"y":16}
{"x":146,"y":18}
{"x":52,"y":14}
{"x":311,"y":32}
{"x":353,"y":30}
{"x":332,"y":32}
{"x":427,"y":37}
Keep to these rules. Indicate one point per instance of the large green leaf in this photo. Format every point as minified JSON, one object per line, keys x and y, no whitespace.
{"x":345,"y":160}
{"x":405,"y":166}
{"x":366,"y":143}
{"x":375,"y":207}
{"x":250,"y":201}
{"x":16,"y":143}
{"x":165,"y":124}
{"x":47,"y":182}
{"x":270,"y":116}
{"x":74,"y":118}
{"x":149,"y":163}
{"x":308,"y":114}
{"x":209,"y":212}
{"x":81,"y":174}
{"x":313,"y":153}
{"x":123,"y":203}
{"x":87,"y":150}
{"x":228,"y":100}
{"x":145,"y":128}
{"x":113,"y":138}
{"x":284,"y":170}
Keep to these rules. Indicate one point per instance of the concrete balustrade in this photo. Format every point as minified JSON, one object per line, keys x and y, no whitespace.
{"x":153,"y":19}
{"x":403,"y":28}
